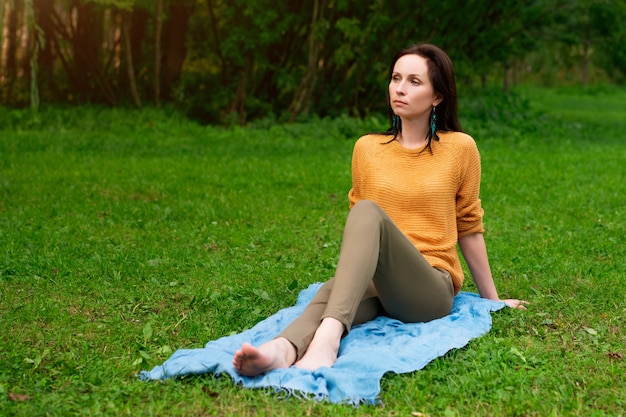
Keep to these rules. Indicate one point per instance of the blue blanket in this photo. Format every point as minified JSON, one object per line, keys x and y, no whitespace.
{"x":368,"y":352}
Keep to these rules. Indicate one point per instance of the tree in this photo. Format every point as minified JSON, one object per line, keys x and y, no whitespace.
{"x":302,"y":98}
{"x":587,"y":30}
{"x":175,"y":50}
{"x":237,"y":60}
{"x":43,"y":10}
{"x":130,"y":66}
{"x":10,"y":56}
{"x":157,"y":52}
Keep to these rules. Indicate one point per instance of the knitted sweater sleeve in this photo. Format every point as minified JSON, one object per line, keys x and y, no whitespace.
{"x":355,"y":192}
{"x":469,"y":209}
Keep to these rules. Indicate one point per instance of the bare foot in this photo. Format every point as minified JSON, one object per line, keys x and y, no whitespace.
{"x":324,"y":347}
{"x":252,"y":361}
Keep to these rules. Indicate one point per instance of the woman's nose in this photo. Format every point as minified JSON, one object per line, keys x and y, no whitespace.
{"x":400,"y":88}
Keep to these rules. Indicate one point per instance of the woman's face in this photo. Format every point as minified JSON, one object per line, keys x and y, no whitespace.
{"x":411,"y":93}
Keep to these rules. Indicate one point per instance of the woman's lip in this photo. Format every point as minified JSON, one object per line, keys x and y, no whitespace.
{"x":399,"y":102}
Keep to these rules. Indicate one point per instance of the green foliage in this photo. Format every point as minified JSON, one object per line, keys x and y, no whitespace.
{"x":126,"y":235}
{"x":118,"y":4}
{"x":494,"y":113}
{"x":254,"y":62}
{"x":235,"y":61}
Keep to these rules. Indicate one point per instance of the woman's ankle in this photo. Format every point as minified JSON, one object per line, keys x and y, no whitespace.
{"x":288,"y":349}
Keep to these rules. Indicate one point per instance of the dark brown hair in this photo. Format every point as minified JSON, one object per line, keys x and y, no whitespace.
{"x":441,"y":76}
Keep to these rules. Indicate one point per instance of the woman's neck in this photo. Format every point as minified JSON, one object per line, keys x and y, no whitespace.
{"x":414,"y":134}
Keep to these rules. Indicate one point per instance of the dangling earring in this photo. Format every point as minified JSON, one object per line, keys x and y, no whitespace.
{"x":433,"y":124}
{"x":395,"y":122}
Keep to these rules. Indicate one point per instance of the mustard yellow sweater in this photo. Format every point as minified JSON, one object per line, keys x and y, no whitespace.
{"x":432,"y":197}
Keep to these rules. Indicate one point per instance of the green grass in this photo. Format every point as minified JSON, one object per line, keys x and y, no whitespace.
{"x":126,"y":235}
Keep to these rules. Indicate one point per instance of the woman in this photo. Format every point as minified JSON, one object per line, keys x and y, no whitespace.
{"x":414,"y":196}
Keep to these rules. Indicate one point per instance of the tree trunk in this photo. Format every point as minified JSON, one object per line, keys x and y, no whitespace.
{"x":130,"y":66}
{"x":238,"y":104}
{"x":138,"y":28}
{"x":91,"y":81}
{"x":157,"y":53}
{"x":26,"y":41}
{"x":216,"y":35}
{"x":3,"y":9}
{"x":175,"y":49}
{"x":507,"y":75}
{"x":10,"y":67}
{"x":84,"y":45}
{"x":62,"y":53}
{"x":31,"y":55}
{"x":585,"y":69}
{"x":302,"y":98}
{"x":43,"y":17}
{"x":138,"y":19}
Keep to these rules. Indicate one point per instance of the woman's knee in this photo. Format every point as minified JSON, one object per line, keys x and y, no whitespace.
{"x":367,"y":207}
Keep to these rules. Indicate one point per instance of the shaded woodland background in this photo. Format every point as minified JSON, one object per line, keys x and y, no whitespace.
{"x":238,"y":60}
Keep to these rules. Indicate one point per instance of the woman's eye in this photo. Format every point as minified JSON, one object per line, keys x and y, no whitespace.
{"x":415,"y":82}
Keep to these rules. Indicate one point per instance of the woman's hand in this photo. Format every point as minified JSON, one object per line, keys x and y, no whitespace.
{"x":519,"y":304}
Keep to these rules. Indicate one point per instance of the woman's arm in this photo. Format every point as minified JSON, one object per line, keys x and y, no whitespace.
{"x":475,"y":253}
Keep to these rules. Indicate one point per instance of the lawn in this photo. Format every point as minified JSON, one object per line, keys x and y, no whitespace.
{"x":126,"y":235}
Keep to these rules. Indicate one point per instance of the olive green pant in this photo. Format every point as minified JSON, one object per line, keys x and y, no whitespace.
{"x":379,"y":272}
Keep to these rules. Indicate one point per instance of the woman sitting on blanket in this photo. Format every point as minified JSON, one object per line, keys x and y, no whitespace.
{"x":414,"y":196}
